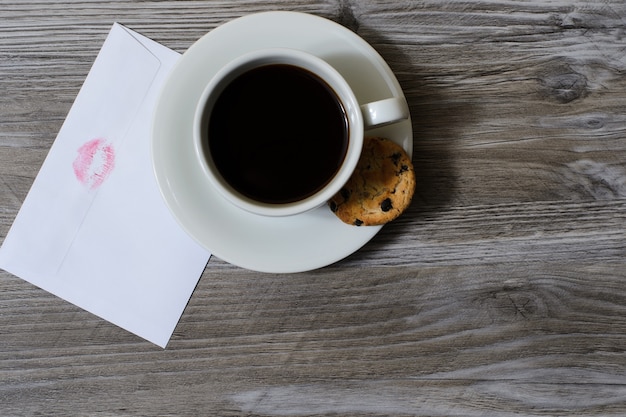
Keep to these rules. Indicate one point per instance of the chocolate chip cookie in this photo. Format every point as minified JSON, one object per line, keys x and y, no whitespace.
{"x":380,"y":188}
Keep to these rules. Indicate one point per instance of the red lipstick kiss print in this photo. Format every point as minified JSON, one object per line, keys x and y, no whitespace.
{"x":94,"y":163}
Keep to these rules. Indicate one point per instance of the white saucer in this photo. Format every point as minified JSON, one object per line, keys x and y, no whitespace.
{"x":287,"y":244}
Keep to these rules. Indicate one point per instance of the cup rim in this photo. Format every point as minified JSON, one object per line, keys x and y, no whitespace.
{"x":319,"y":67}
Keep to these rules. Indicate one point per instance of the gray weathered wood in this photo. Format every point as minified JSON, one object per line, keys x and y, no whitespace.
{"x":500,"y":292}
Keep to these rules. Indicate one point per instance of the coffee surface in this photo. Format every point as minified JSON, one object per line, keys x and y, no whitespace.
{"x":278,"y":133}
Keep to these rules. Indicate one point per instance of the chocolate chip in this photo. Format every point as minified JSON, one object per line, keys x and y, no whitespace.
{"x":333,"y":206}
{"x":395,"y":158}
{"x":358,"y":222}
{"x":345,"y":193}
{"x":386,"y":205}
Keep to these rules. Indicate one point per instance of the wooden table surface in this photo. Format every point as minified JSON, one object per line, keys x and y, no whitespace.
{"x":501,"y":292}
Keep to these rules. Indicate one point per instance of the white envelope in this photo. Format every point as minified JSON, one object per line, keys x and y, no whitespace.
{"x":94,"y":229}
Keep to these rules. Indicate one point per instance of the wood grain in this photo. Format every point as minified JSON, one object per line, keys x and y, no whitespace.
{"x":499,"y":293}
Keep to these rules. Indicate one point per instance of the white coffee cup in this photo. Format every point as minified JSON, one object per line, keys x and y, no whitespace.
{"x":358,"y":117}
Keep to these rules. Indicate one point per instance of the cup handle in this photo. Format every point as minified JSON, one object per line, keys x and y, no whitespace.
{"x":384,"y":112}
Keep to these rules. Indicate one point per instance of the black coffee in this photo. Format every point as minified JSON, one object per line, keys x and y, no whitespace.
{"x":278,"y":133}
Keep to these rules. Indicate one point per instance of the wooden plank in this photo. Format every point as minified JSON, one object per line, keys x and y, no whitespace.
{"x":510,"y":336}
